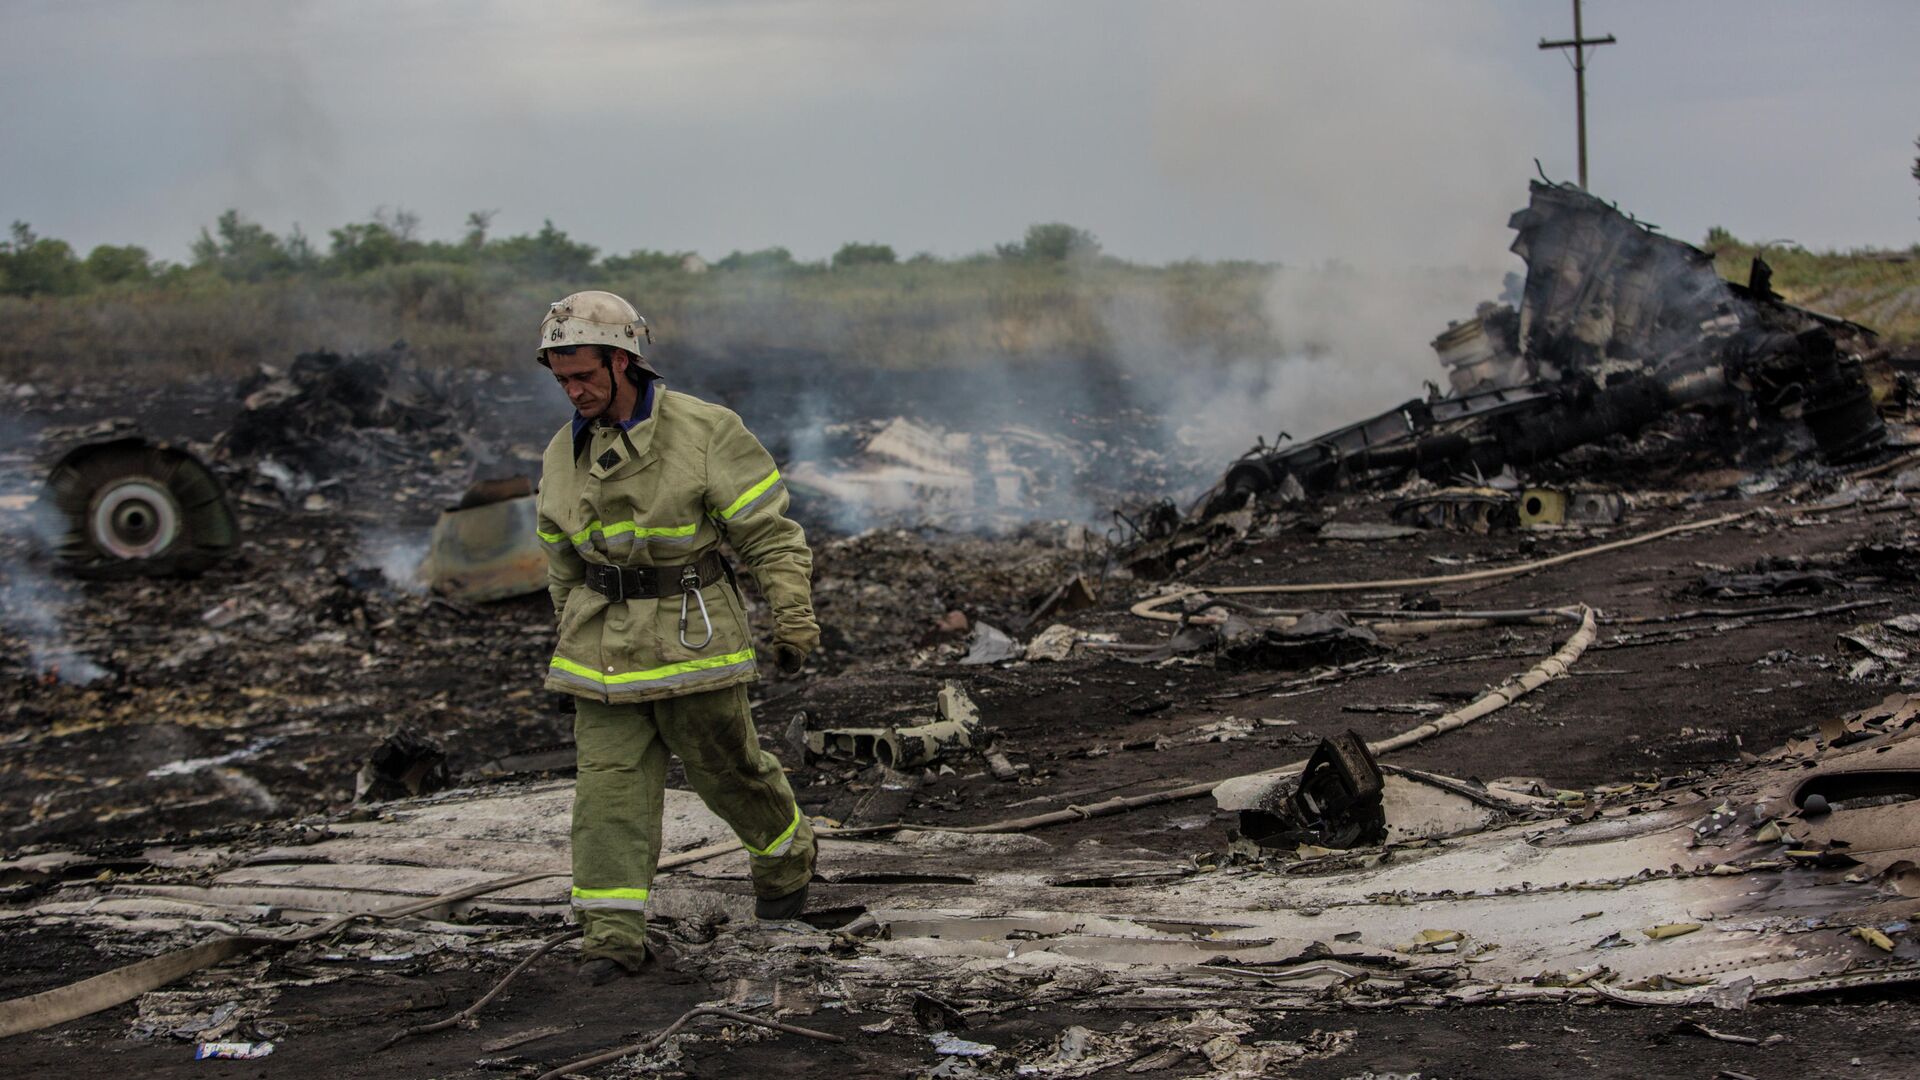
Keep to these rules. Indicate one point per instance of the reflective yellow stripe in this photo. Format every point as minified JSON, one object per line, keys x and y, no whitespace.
{"x":609,"y":894}
{"x":551,"y":538}
{"x":778,"y":840}
{"x":621,"y":528}
{"x":667,"y":672}
{"x":753,"y":493}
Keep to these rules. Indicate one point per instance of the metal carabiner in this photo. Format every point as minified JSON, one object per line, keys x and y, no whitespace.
{"x":690,"y":586}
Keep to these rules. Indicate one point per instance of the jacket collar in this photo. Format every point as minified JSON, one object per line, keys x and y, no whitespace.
{"x":639,"y":431}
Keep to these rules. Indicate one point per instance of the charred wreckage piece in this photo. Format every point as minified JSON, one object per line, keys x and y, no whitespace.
{"x":1617,"y":327}
{"x":127,"y":507}
{"x":957,"y":731}
{"x":1335,"y":804}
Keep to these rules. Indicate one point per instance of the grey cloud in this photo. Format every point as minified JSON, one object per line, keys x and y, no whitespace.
{"x":1389,"y":133}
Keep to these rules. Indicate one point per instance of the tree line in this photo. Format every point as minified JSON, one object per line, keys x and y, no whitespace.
{"x":236,"y":249}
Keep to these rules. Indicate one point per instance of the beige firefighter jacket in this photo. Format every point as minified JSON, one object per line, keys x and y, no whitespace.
{"x":662,"y":494}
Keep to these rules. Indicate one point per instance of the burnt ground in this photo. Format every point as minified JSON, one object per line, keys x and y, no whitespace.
{"x":323,"y":662}
{"x":334,"y":1028}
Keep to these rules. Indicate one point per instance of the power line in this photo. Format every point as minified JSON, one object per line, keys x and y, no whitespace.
{"x":1579,"y":44}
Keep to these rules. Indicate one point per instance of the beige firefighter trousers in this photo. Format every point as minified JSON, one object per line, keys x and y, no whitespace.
{"x":620,"y":796}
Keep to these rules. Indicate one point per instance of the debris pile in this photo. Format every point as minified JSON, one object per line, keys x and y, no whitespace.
{"x":376,"y":418}
{"x":905,"y":472}
{"x":1468,"y":706}
{"x":328,"y":413}
{"x":1617,"y":329}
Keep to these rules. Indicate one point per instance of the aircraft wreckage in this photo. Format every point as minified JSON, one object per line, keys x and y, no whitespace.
{"x":1347,"y":882}
{"x":1617,"y":327}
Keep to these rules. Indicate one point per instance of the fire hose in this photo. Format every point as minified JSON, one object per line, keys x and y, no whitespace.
{"x":1150,"y":608}
{"x":1493,"y":700}
{"x":1501,"y":696}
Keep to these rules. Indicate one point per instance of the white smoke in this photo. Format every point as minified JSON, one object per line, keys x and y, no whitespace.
{"x":399,"y":556}
{"x":36,"y":611}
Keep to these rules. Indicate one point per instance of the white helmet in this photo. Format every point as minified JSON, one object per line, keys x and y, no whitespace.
{"x":595,"y":318}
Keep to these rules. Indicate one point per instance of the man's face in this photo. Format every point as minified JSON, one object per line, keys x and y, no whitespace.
{"x":581,"y":372}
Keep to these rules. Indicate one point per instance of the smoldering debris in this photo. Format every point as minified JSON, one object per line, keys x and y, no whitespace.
{"x":367,"y":435}
{"x":38,"y":612}
{"x":1035,"y":838}
{"x":405,"y":764}
{"x":906,"y":472}
{"x":328,"y":413}
{"x":1618,"y":328}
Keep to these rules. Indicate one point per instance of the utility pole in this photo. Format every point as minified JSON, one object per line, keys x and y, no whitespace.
{"x":1578,"y":43}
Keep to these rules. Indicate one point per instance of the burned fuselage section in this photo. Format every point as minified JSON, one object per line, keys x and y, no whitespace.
{"x":1617,"y":327}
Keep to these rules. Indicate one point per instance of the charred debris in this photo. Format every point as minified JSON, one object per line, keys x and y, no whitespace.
{"x":1617,"y":331}
{"x":1003,"y":759}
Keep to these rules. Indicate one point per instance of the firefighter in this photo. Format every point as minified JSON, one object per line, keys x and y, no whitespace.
{"x":636,"y":494}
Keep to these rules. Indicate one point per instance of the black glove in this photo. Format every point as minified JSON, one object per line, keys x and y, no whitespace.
{"x":789,"y":657}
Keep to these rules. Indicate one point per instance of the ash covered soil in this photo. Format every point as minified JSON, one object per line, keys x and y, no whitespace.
{"x":135,"y":712}
{"x":334,"y":1027}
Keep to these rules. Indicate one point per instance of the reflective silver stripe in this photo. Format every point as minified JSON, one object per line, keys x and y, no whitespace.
{"x":570,"y":679}
{"x":691,"y":678}
{"x":642,"y":688}
{"x":669,"y":541}
{"x":623,"y":545}
{"x":784,"y":842}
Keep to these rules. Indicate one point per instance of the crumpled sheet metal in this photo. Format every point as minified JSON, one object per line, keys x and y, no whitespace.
{"x":1527,"y":899}
{"x":1879,"y":839}
{"x":1416,"y":809}
{"x":417,"y":848}
{"x":487,"y":552}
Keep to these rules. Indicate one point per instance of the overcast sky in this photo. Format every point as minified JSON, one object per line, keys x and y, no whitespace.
{"x":1374,"y":133}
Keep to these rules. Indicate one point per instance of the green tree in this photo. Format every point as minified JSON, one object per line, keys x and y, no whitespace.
{"x":644,"y":261}
{"x":478,"y":224}
{"x":109,"y":264}
{"x":403,"y":223}
{"x":1051,"y":242}
{"x":242,"y":250}
{"x":300,"y":254}
{"x":364,"y":246}
{"x":32,"y":265}
{"x":549,"y":254}
{"x":857,"y":254}
{"x":766,"y":259}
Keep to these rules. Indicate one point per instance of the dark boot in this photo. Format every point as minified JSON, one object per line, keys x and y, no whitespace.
{"x":601,"y":970}
{"x":781,"y":908}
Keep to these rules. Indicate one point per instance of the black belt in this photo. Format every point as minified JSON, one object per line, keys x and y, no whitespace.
{"x":618,"y":583}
